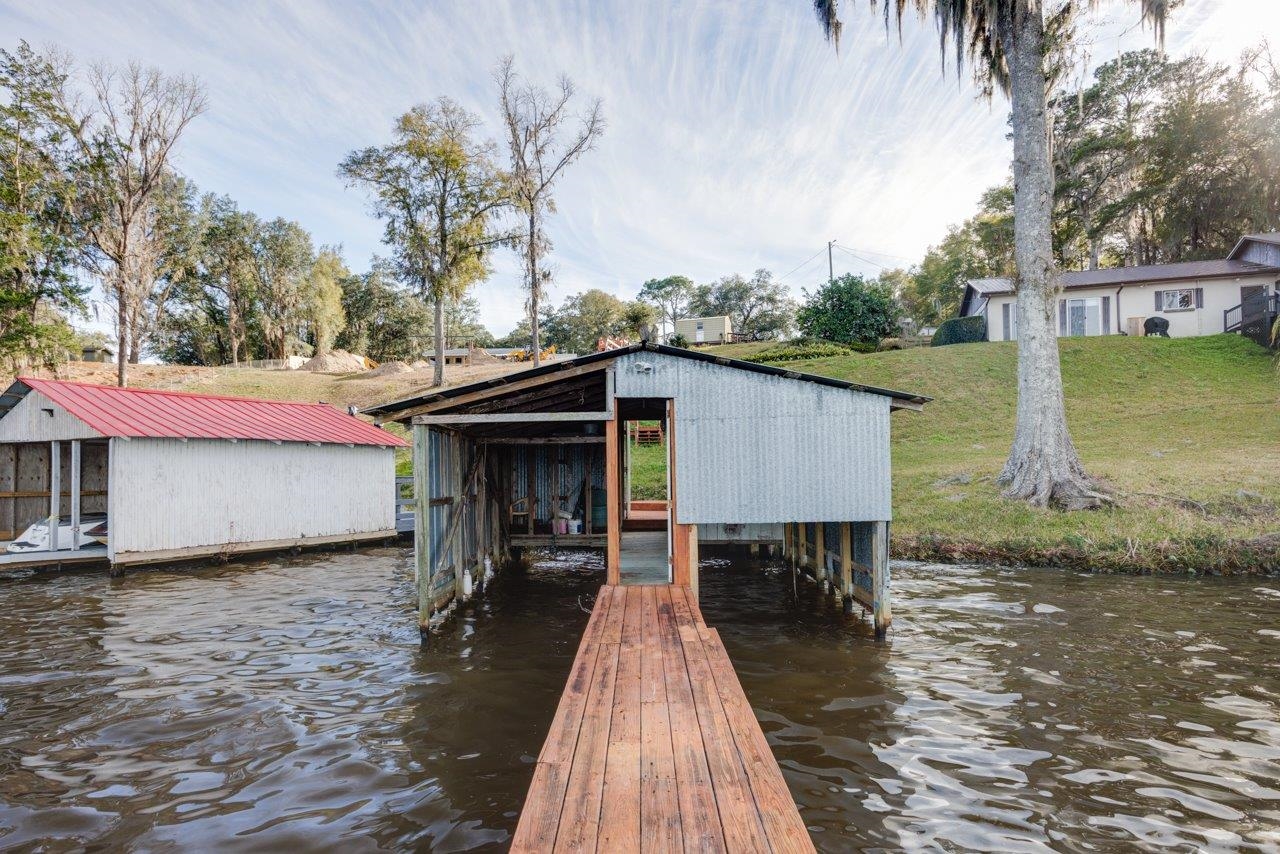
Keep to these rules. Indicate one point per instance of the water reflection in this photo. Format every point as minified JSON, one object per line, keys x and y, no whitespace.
{"x":289,"y":703}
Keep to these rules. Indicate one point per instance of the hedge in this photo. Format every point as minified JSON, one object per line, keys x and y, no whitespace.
{"x":960,"y":330}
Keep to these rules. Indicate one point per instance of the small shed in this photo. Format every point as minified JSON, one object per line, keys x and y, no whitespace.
{"x":706,"y":330}
{"x":138,"y":475}
{"x":754,"y":454}
{"x":94,"y":353}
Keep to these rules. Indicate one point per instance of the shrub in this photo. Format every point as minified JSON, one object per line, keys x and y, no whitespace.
{"x":849,"y":309}
{"x":892,"y":344}
{"x":793,"y":351}
{"x":678,"y":340}
{"x":960,"y":330}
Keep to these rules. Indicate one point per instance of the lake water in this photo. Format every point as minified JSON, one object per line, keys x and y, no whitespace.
{"x":288,"y":705}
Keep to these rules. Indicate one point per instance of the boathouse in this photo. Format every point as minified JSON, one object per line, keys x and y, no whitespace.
{"x":137,"y":476}
{"x":755,"y":454}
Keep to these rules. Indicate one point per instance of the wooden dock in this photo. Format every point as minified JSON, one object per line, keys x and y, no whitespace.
{"x":654,"y":746}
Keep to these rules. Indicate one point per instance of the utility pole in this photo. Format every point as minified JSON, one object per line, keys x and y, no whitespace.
{"x":831,"y":270}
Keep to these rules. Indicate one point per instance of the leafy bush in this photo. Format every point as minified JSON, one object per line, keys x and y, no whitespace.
{"x":794,"y":351}
{"x":850,"y":310}
{"x":960,"y":330}
{"x":678,"y":340}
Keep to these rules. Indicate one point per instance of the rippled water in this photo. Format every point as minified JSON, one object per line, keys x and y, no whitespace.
{"x":288,"y":703}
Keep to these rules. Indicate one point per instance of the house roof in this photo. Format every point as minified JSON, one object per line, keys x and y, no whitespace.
{"x":1272,"y":237}
{"x":1145,"y":274}
{"x":390,"y":410}
{"x":148,"y":413}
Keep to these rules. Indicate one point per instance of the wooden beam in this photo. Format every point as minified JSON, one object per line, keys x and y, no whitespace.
{"x":422,"y":521}
{"x":511,"y":417}
{"x":75,"y":495}
{"x":820,"y":550}
{"x":881,"y":614}
{"x":55,"y":493}
{"x":613,"y":549}
{"x":543,"y":440}
{"x":846,"y":566}
{"x":506,"y":387}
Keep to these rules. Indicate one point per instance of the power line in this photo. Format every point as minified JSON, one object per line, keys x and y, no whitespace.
{"x":803,"y":263}
{"x":860,"y":258}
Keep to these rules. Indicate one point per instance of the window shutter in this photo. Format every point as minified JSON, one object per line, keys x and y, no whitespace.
{"x":1106,"y":315}
{"x":1159,"y":300}
{"x":1005,"y":311}
{"x":1062,"y":317}
{"x":1199,"y":297}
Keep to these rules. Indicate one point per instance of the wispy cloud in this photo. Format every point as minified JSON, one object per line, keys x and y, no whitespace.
{"x":737,"y":138}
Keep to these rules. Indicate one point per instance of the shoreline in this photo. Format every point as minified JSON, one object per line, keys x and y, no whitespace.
{"x":1256,"y":556}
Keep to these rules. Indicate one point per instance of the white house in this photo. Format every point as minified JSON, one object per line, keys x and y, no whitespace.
{"x":1235,"y":294}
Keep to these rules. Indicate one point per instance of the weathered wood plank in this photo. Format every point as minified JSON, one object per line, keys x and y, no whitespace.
{"x":620,"y":811}
{"x":782,"y":823}
{"x":699,"y":815}
{"x":580,"y":818}
{"x":739,"y":815}
{"x":654,"y":746}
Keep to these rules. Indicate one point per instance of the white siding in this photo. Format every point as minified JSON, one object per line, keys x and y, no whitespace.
{"x":30,"y":421}
{"x":1140,"y":301}
{"x":757,"y":448}
{"x":169,"y":494}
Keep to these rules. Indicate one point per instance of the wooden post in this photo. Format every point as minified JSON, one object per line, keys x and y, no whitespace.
{"x":613,"y":494}
{"x":691,"y":546}
{"x":531,"y":487}
{"x":820,"y":552}
{"x":881,"y":614}
{"x":803,"y":548}
{"x":588,"y":466}
{"x":422,"y":521}
{"x":55,"y":493}
{"x":846,"y":566}
{"x":75,"y":495}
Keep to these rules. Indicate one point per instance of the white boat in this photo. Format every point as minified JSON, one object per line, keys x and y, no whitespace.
{"x":36,"y":537}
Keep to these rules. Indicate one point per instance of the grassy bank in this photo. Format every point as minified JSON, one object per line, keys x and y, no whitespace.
{"x":1184,"y":432}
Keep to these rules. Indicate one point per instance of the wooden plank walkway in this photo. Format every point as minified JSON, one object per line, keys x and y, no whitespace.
{"x":654,"y":746}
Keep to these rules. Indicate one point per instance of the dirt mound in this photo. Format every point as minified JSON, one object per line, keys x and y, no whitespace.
{"x":388,"y":368}
{"x":337,"y":362}
{"x":420,"y":365}
{"x":481,"y":356}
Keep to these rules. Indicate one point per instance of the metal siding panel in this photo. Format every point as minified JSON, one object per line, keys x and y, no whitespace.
{"x":758,"y":448}
{"x":169,"y":494}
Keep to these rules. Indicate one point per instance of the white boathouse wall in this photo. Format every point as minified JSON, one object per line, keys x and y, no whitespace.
{"x":169,"y":496}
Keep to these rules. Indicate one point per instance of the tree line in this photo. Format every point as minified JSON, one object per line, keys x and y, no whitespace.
{"x":1155,"y":160}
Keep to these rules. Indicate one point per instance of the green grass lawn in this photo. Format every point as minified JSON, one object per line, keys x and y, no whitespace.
{"x":1185,"y":433}
{"x":649,"y":472}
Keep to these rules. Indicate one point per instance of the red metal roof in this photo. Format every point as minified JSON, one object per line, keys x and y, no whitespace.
{"x":150,"y":413}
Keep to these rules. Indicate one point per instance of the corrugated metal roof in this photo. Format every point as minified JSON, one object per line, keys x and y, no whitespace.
{"x":1183,"y":270}
{"x":389,"y":410}
{"x":149,"y":413}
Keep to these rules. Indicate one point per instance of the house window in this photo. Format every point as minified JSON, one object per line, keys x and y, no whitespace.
{"x":1084,"y":316}
{"x":1183,"y":299}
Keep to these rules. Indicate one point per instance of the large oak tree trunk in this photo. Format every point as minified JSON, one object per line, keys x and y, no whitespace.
{"x":122,"y":337}
{"x":1043,"y":467}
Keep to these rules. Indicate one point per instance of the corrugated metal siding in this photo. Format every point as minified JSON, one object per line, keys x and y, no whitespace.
{"x":169,"y":494}
{"x":572,"y":473}
{"x":728,"y":532}
{"x":758,"y":448}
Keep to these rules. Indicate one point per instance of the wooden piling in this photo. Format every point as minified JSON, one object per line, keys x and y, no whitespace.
{"x":881,"y":613}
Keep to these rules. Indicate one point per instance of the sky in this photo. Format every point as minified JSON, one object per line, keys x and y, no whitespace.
{"x":736,"y":138}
